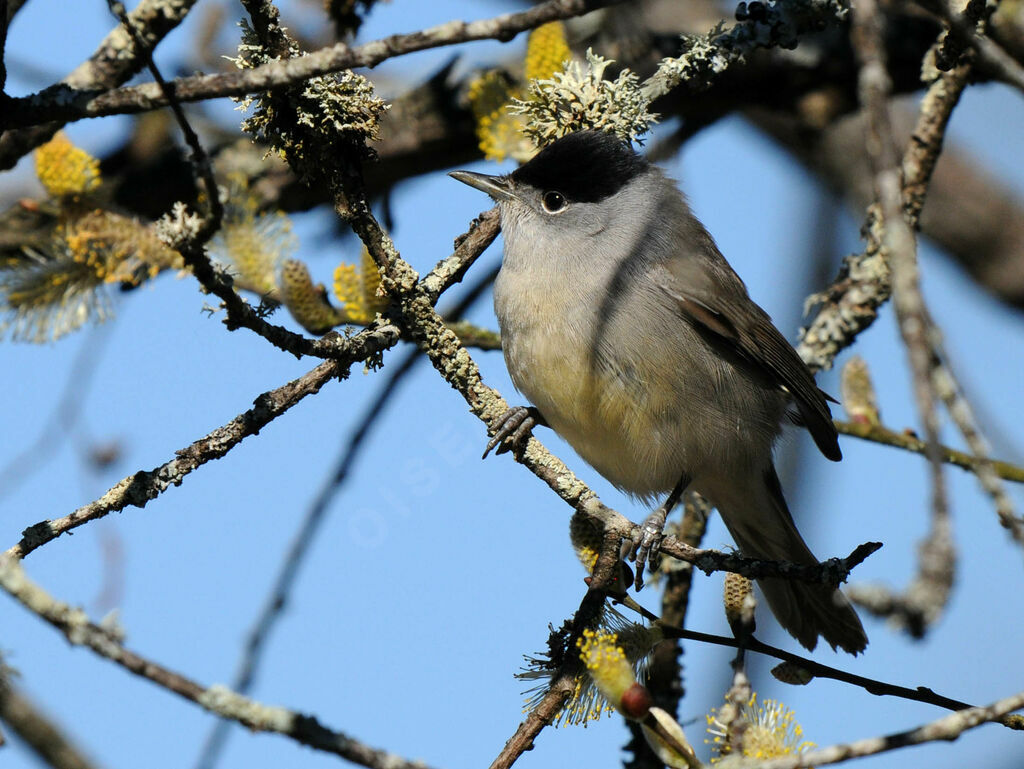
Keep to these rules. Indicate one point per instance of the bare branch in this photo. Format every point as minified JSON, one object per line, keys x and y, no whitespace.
{"x":139,"y":488}
{"x":819,"y":670}
{"x":909,"y":442}
{"x":200,"y":160}
{"x":113,"y":62}
{"x":948,"y":728}
{"x":928,"y":593}
{"x":991,"y":57}
{"x":850,"y":304}
{"x":563,"y":682}
{"x":219,"y":700}
{"x":46,"y":739}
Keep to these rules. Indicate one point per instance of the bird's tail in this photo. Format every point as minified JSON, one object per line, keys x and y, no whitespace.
{"x":759,"y":521}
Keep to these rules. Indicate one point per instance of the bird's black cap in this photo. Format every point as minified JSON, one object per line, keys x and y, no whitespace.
{"x":586,"y":166}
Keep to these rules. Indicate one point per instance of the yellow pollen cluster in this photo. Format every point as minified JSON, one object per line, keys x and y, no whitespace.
{"x":306,"y":301}
{"x":117,"y":248}
{"x":64,"y":169}
{"x":497,"y":130}
{"x":607,"y":664}
{"x":254,"y":242}
{"x":547,"y":51}
{"x":772,"y":731}
{"x":586,"y":540}
{"x":598,"y":649}
{"x":500,"y":133}
{"x":356,"y":288}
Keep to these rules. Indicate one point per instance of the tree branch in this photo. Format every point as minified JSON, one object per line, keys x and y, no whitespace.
{"x":819,"y":670}
{"x":563,"y":682}
{"x":948,"y":728}
{"x":46,"y":739}
{"x":219,"y":700}
{"x":113,"y":62}
{"x":850,"y":305}
{"x":139,"y":488}
{"x":909,"y":442}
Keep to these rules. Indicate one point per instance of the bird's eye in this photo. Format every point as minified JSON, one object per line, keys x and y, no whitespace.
{"x":554,"y":202}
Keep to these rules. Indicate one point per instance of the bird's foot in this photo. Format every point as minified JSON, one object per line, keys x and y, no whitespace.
{"x":645,"y":546}
{"x":515,"y":425}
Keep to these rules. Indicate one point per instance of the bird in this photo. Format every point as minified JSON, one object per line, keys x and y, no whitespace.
{"x":636,"y":342}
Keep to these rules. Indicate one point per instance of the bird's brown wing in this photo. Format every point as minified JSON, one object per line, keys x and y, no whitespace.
{"x":713,"y":297}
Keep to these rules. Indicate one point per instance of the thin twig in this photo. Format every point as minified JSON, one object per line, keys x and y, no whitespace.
{"x":139,"y":488}
{"x":991,"y":57}
{"x":819,"y":670}
{"x":40,"y":733}
{"x":450,"y":270}
{"x":909,"y":442}
{"x":220,"y":700}
{"x":563,"y":682}
{"x":927,"y":595}
{"x":200,"y":160}
{"x":948,"y":728}
{"x":113,"y":62}
{"x":987,"y":470}
{"x":664,"y":670}
{"x":277,"y":599}
{"x":850,"y":305}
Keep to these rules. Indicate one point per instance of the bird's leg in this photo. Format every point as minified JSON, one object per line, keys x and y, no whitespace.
{"x":644,"y":549}
{"x":515,"y":424}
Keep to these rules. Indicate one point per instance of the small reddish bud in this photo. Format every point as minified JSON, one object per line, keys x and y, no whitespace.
{"x":636,"y":702}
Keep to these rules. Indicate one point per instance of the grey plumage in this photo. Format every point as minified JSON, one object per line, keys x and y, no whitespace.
{"x":637,"y":342}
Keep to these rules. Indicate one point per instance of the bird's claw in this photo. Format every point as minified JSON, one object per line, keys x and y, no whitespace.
{"x":645,"y":547}
{"x":516,"y":425}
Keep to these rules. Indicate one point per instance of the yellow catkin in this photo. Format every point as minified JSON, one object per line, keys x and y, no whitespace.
{"x":64,"y":169}
{"x":606,"y":662}
{"x":771,"y":731}
{"x":356,"y":289}
{"x":118,"y":248}
{"x":373,"y":301}
{"x":499,"y":132}
{"x":253,"y":242}
{"x":547,"y":51}
{"x":735,"y":592}
{"x":586,"y":540}
{"x":306,"y":301}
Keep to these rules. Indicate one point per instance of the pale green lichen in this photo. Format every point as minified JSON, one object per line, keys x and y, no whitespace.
{"x":580,"y":98}
{"x":307,"y":122}
{"x":775,"y":25}
{"x":179,"y":227}
{"x":223,"y":701}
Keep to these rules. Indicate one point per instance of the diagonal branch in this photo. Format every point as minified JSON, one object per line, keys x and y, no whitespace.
{"x":909,"y":442}
{"x":219,"y":700}
{"x":139,"y":488}
{"x":819,"y":670}
{"x":850,"y":305}
{"x":948,"y":728}
{"x":45,"y":737}
{"x":563,"y":682}
{"x":113,"y":62}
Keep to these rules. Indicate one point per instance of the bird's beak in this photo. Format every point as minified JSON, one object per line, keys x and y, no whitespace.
{"x":498,"y":187}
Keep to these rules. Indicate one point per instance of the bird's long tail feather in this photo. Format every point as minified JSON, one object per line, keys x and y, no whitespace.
{"x":756,"y":515}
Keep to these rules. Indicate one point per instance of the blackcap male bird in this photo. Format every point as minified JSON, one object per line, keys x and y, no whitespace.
{"x":638,"y":344}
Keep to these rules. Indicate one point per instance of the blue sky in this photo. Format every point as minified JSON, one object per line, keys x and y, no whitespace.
{"x":435,"y":571}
